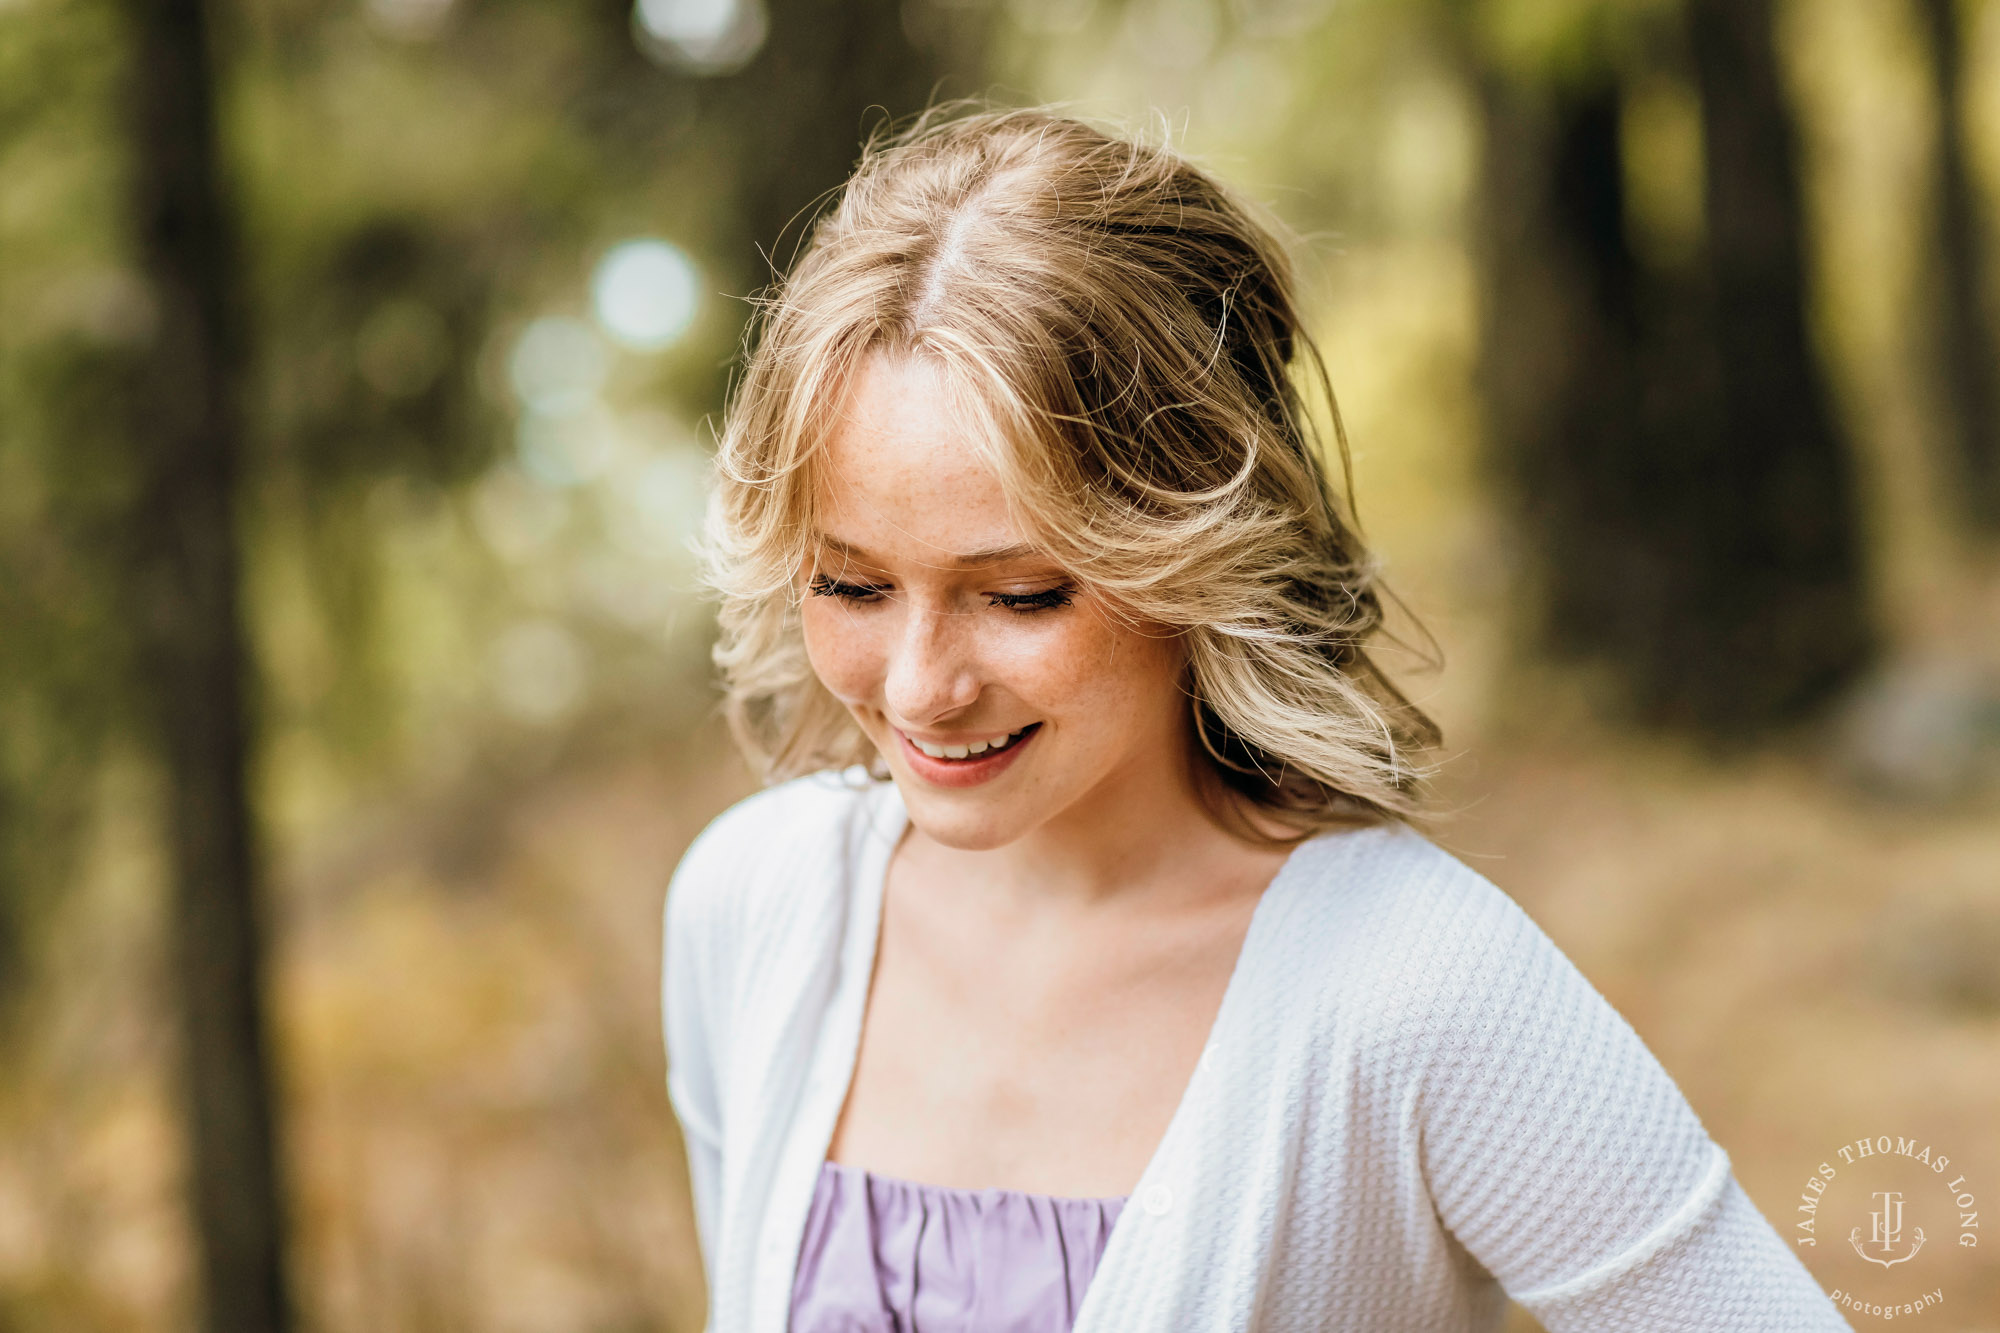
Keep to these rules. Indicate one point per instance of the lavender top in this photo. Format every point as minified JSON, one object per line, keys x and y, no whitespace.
{"x":882,"y":1255}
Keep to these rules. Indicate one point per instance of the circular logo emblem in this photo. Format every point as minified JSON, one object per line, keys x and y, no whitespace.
{"x":1879,"y":1213}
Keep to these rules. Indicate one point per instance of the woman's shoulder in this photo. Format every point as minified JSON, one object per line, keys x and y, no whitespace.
{"x":1419,"y":937}
{"x":1531,"y":1097}
{"x":795,"y":815}
{"x":774,"y":848}
{"x":1448,"y":997}
{"x":1404,"y":895}
{"x":800,"y":825}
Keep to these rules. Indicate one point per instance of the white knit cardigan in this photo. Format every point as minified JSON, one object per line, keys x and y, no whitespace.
{"x":1411,"y":1105}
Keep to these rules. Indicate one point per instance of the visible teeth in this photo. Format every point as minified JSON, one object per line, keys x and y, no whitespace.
{"x":968,"y":749}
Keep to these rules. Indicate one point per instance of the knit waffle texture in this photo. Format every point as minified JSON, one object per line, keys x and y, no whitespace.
{"x":1412,"y":1106}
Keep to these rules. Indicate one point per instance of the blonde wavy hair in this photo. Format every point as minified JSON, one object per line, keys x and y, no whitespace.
{"x":1127,"y":330}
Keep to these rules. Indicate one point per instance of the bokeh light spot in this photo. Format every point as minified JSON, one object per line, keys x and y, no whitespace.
{"x":567,"y":450}
{"x":645,"y":294}
{"x":411,"y":20}
{"x":538,"y":671}
{"x":517,"y":518}
{"x":558,"y":366}
{"x":700,"y":36}
{"x":662,"y":508}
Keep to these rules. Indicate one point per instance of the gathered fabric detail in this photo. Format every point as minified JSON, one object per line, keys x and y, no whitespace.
{"x":882,"y":1255}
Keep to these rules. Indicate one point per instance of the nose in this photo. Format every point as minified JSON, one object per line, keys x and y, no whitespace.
{"x":933,"y":669}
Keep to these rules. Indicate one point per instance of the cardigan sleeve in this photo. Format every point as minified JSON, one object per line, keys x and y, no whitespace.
{"x":752,"y":916}
{"x":1564,"y":1158}
{"x":695,"y":954}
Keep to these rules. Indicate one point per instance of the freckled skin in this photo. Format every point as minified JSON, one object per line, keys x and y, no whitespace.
{"x":935,"y":658}
{"x":1055,"y":942}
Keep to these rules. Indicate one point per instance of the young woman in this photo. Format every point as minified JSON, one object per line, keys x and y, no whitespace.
{"x":1083,"y":967}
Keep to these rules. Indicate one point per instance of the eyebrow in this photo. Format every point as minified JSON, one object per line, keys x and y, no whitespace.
{"x":967,"y":560}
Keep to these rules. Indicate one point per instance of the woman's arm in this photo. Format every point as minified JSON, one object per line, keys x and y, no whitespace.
{"x":1566,"y":1160}
{"x":1715,"y":1265}
{"x":693,"y":952}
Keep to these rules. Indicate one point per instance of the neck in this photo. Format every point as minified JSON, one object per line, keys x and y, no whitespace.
{"x":1144,"y":836}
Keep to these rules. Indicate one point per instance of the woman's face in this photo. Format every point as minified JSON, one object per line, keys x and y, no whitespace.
{"x":926,"y":613}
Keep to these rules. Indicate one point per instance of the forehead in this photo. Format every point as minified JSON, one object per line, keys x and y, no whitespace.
{"x":901,"y":475}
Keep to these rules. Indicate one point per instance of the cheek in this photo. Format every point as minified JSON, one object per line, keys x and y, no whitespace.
{"x":1103,"y":674}
{"x":842,"y":652}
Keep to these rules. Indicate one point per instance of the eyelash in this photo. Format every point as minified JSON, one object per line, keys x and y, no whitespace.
{"x":1021,"y":603}
{"x":1027,"y":602}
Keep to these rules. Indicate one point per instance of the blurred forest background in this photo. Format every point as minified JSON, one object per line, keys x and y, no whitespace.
{"x":358,"y":360}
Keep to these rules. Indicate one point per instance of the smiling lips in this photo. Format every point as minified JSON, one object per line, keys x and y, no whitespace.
{"x":967,"y":764}
{"x":969,"y":748}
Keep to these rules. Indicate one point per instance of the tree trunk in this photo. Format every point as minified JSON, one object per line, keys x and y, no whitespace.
{"x":1560,"y":356}
{"x":1969,"y":352}
{"x":1788,"y":619}
{"x":831,"y":70}
{"x":1664,"y":435}
{"x":1599,"y":390}
{"x":193,"y":654}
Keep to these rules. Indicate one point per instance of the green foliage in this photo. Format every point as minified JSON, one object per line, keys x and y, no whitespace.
{"x":69,"y":314}
{"x":410,"y":195}
{"x":1567,"y":42}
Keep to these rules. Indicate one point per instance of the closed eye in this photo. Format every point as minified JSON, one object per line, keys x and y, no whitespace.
{"x":1027,"y":602}
{"x":822,"y":586}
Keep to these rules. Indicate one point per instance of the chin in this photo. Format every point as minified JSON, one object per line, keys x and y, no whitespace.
{"x":962,"y":825}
